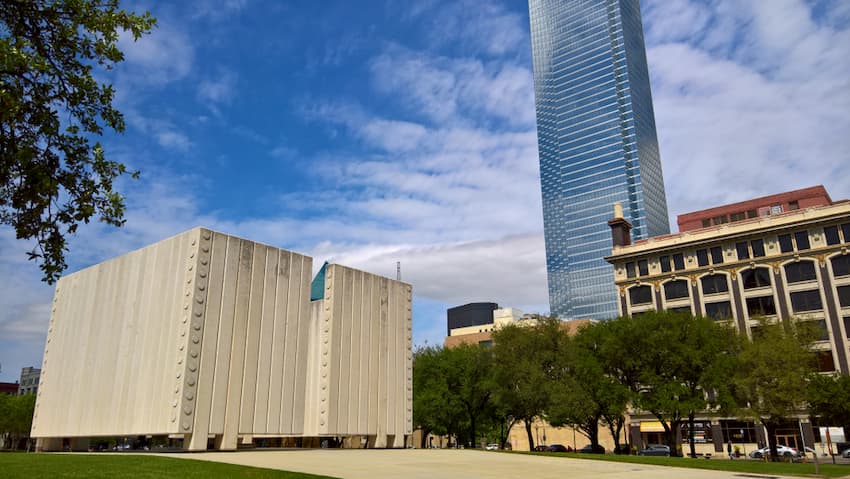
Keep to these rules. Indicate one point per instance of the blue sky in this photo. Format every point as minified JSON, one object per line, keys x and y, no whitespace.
{"x":367,"y":133}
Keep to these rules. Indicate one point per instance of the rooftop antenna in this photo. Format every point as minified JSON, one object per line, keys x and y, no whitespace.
{"x":398,"y":270}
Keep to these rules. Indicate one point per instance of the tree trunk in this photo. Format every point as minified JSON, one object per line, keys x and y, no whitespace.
{"x":671,"y":433}
{"x":528,"y":431}
{"x":691,"y":434}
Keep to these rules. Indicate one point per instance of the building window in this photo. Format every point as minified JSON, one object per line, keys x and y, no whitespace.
{"x":739,"y":431}
{"x":706,"y":223}
{"x":715,"y":283}
{"x":802,"y":301}
{"x":847,"y":326}
{"x":752,"y":214}
{"x":793,"y":205}
{"x":717,"y":255}
{"x":630,"y":269}
{"x":802,"y":239}
{"x":678,"y":261}
{"x":722,"y":219}
{"x":702,"y":257}
{"x":844,"y":296}
{"x":800,"y":271}
{"x":640,"y":295}
{"x":681,"y":309}
{"x":841,"y":265}
{"x":676,"y":289}
{"x":761,"y":306}
{"x":758,"y":247}
{"x":755,"y":278}
{"x":719,"y":311}
{"x":643,"y":267}
{"x":824,"y":361}
{"x":665,"y":264}
{"x":737,"y":216}
{"x":743,"y":251}
{"x":785,"y":244}
{"x":831,"y":234}
{"x":845,"y":230}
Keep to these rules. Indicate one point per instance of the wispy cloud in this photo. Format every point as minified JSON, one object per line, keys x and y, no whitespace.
{"x":164,"y":56}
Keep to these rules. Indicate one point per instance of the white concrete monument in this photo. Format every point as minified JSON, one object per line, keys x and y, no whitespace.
{"x":209,"y":336}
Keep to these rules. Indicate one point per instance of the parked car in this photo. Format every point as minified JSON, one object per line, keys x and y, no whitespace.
{"x":559,"y":448}
{"x":589,"y":449}
{"x":783,"y":451}
{"x":846,"y":453}
{"x":541,"y":448}
{"x":492,"y":447}
{"x":655,"y":450}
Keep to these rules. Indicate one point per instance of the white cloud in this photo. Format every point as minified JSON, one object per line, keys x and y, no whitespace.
{"x":481,"y":26}
{"x":163,"y":56}
{"x":444,"y":88}
{"x":163,"y":131}
{"x":752,"y":113}
{"x":218,"y":90}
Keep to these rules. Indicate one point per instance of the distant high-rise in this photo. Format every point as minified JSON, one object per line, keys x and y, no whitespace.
{"x":597,"y":143}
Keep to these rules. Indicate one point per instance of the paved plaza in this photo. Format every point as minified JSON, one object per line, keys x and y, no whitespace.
{"x":446,"y":464}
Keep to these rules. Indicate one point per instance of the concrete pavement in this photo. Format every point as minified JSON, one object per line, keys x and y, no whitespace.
{"x":447,"y":464}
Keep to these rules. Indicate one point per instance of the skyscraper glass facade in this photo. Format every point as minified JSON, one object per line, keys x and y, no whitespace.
{"x":597,"y":144}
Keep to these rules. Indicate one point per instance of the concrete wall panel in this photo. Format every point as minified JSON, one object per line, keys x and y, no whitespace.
{"x":209,"y":335}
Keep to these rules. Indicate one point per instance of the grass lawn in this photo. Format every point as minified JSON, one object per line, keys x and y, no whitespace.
{"x":745,"y":466}
{"x":18,"y":464}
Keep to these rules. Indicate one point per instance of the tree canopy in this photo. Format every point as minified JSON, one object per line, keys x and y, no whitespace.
{"x":773,"y":373}
{"x":53,"y":177}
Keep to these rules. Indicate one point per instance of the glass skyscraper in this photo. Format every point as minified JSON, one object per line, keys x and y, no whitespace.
{"x":597,"y":144}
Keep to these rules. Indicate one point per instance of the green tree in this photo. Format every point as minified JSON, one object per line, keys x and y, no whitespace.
{"x":52,"y":177}
{"x":829,"y":399}
{"x":526,"y":360}
{"x":434,"y":409}
{"x":16,"y":417}
{"x":584,"y":396}
{"x":452,"y":390}
{"x":469,"y":377}
{"x":687,"y":360}
{"x":773,"y":374}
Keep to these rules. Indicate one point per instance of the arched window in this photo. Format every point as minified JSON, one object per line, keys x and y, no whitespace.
{"x":640,"y":295}
{"x":714,"y":283}
{"x":800,"y":271}
{"x":676,"y":289}
{"x":755,"y":278}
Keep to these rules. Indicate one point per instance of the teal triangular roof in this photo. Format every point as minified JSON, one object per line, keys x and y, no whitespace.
{"x":317,"y":288}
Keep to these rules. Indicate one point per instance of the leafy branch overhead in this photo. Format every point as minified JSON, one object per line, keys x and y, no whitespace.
{"x":53,"y":175}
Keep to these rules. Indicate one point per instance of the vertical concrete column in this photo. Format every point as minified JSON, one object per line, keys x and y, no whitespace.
{"x":695,"y":298}
{"x":635,"y":437}
{"x":717,"y":436}
{"x":834,"y":320}
{"x":738,"y":304}
{"x":761,"y":435}
{"x":623,"y":306}
{"x":808,"y":433}
{"x":656,"y":294}
{"x":780,"y":293}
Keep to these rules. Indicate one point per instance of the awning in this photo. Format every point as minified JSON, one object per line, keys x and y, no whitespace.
{"x":651,"y":426}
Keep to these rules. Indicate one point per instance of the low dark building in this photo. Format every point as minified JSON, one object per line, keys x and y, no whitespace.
{"x":472,"y":314}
